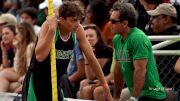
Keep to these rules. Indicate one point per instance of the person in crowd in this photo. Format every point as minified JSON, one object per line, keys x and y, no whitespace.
{"x":7,"y":48}
{"x":164,"y":22}
{"x":74,"y":63}
{"x":148,"y":5}
{"x":29,"y":15}
{"x":23,"y":43}
{"x":65,"y":27}
{"x":97,"y":12}
{"x":103,"y":54}
{"x":164,"y":19}
{"x":6,"y":18}
{"x":134,"y":60}
{"x":76,"y":69}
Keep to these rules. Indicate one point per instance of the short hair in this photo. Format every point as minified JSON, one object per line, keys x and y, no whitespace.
{"x":127,"y":12}
{"x":32,"y":12}
{"x":70,"y":9}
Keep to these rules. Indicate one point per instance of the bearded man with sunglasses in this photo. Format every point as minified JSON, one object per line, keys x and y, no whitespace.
{"x":134,"y":60}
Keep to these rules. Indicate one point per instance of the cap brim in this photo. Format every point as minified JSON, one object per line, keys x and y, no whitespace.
{"x":153,"y":13}
{"x":1,"y":21}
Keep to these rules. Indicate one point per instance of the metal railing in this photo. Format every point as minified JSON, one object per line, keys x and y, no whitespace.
{"x":166,"y":60}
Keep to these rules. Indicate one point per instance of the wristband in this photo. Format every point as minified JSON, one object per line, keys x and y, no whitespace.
{"x":133,"y":98}
{"x":105,"y":85}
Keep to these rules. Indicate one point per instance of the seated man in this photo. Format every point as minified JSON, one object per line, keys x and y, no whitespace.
{"x":164,"y":22}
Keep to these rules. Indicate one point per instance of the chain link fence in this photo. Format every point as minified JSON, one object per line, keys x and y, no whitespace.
{"x":168,"y":77}
{"x":166,"y":49}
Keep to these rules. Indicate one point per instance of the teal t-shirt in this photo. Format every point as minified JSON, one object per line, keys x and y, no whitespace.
{"x":137,"y":46}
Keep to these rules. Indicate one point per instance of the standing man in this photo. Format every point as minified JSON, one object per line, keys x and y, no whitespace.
{"x":135,"y":63}
{"x":65,"y":29}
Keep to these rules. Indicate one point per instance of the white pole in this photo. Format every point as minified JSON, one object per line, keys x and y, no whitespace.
{"x":164,"y":37}
{"x":166,"y":52}
{"x":163,"y":44}
{"x":170,"y":39}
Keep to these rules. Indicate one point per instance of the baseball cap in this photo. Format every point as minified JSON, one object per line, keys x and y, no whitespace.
{"x":56,"y":4}
{"x":7,"y":18}
{"x":164,"y":8}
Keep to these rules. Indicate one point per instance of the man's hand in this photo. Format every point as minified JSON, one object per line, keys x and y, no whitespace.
{"x":107,"y":95}
{"x":19,"y":90}
{"x":4,"y":46}
{"x":52,"y":22}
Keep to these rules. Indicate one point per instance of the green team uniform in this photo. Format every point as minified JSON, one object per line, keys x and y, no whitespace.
{"x":137,"y":46}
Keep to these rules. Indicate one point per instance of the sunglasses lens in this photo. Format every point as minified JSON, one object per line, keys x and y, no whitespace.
{"x":113,"y":21}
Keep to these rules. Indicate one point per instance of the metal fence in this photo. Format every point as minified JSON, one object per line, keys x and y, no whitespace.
{"x":166,"y":60}
{"x":169,"y":78}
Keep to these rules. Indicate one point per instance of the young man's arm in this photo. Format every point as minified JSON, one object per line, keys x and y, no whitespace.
{"x":139,"y":76}
{"x":90,"y":72}
{"x":177,"y":66}
{"x":45,"y":39}
{"x":118,"y":81}
{"x":87,"y":50}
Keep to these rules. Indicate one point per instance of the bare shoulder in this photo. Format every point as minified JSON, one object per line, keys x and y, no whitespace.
{"x":82,"y":41}
{"x":80,"y":33}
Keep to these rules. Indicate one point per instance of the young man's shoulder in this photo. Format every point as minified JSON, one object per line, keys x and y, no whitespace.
{"x":79,"y":33}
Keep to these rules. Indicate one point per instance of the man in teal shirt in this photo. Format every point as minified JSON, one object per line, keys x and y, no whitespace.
{"x":135,"y":63}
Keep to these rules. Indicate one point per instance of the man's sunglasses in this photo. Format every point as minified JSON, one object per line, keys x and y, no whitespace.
{"x":114,"y":21}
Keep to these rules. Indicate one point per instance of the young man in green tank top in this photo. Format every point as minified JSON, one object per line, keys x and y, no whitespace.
{"x":135,"y":63}
{"x":68,"y":22}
